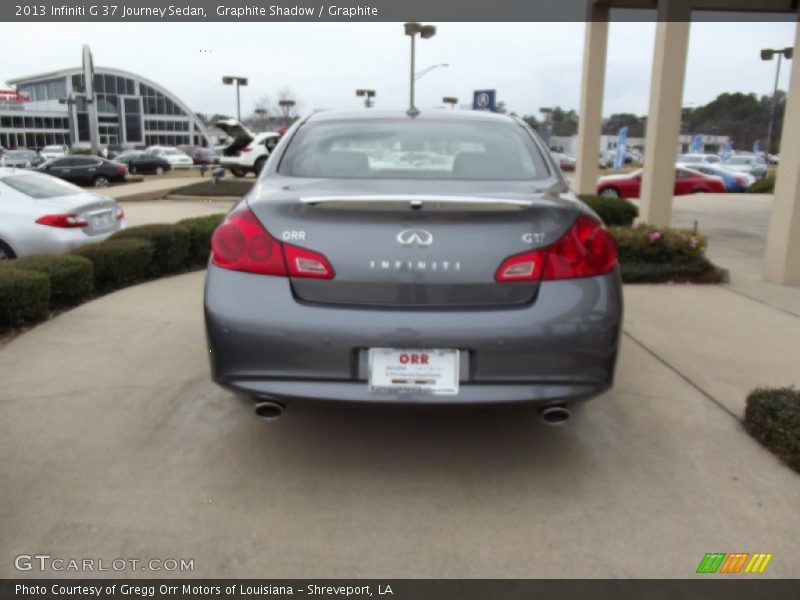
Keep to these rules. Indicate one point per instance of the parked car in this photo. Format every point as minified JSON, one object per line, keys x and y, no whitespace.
{"x":690,"y":160}
{"x":87,"y":170}
{"x":51,"y":152}
{"x":734,"y":182}
{"x":748,"y":163}
{"x":205,"y":156}
{"x":564,"y":161}
{"x":247,"y":152}
{"x":176,"y":158}
{"x":21,"y":159}
{"x":141,"y":162}
{"x":687,"y":181}
{"x":40,"y":213}
{"x":379,"y":293}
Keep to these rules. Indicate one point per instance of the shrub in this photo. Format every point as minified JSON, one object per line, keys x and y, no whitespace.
{"x":200,"y":230}
{"x":170,"y":245}
{"x":24,"y":297}
{"x":613,"y":211}
{"x":765,"y":186}
{"x":117,"y":263}
{"x":71,"y":277}
{"x":649,"y":254}
{"x":234,"y":188}
{"x":772,"y":417}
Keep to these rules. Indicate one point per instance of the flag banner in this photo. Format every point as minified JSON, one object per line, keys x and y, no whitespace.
{"x":622,"y":148}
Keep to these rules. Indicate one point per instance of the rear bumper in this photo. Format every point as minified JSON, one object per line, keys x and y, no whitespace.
{"x":264,"y":343}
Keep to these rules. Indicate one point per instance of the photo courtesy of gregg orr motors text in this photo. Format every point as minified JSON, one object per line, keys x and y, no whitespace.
{"x":47,"y":563}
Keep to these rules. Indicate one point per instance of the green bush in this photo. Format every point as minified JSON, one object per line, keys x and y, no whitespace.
{"x":613,"y":211}
{"x":649,"y":254}
{"x":200,"y":230}
{"x":118,"y":263}
{"x":170,"y":245}
{"x":234,"y":188}
{"x":71,"y":277}
{"x":765,"y":186}
{"x":24,"y":297}
{"x":772,"y":417}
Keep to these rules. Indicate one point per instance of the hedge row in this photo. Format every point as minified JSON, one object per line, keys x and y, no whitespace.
{"x":772,"y":417}
{"x":613,"y":211}
{"x":32,"y":286}
{"x":765,"y":186}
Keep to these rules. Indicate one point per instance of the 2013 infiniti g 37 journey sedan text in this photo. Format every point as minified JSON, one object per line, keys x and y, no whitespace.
{"x":435,"y":259}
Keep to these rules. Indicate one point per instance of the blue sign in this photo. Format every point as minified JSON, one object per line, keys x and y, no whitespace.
{"x":726,"y":152}
{"x":757,"y":147}
{"x":697,"y":144}
{"x":484,"y":99}
{"x":622,"y":148}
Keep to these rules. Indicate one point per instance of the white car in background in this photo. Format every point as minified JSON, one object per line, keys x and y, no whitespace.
{"x":41,"y":213}
{"x":177,"y":158}
{"x":246,"y":152}
{"x":51,"y":152}
{"x":753,"y":164}
{"x":688,"y":160}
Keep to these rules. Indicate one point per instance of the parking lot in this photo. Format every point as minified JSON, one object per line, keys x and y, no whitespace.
{"x":118,"y":445}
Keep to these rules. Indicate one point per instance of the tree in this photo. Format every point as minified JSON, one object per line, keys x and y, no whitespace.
{"x":532,"y":121}
{"x":617,"y":121}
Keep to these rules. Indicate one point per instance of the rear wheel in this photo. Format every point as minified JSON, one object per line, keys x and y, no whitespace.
{"x":6,"y":253}
{"x":100,"y":181}
{"x":159,"y":170}
{"x":132,"y":170}
{"x":238,"y":172}
{"x":609,"y":192}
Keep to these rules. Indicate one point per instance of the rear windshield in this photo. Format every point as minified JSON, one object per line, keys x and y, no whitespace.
{"x":413,"y":149}
{"x":40,"y":186}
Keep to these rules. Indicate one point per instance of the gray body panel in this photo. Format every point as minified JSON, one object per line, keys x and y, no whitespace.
{"x":306,"y":339}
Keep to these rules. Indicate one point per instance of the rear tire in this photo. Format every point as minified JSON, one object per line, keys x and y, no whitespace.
{"x":609,"y":192}
{"x":159,"y":170}
{"x":100,"y":181}
{"x":6,"y":253}
{"x":238,"y":172}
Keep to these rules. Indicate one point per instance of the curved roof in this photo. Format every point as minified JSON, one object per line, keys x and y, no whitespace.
{"x":121,"y":73}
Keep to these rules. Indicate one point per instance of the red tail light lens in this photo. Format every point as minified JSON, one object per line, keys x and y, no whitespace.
{"x":62,"y":221}
{"x":585,"y":250}
{"x":122,"y":170}
{"x":241,"y":243}
{"x":306,"y":263}
{"x":120,"y":213}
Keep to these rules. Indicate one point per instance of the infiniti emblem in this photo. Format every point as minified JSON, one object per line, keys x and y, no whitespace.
{"x":410,"y":237}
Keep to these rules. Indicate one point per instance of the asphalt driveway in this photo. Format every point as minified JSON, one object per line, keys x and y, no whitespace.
{"x":114,"y":443}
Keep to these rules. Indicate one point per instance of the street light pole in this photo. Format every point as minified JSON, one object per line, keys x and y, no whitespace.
{"x":237,"y":81}
{"x":451,"y":100}
{"x":368,"y":96}
{"x":767,"y":54}
{"x":425,"y":32}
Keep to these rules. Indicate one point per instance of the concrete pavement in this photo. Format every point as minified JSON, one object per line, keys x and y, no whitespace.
{"x":170,"y":211}
{"x":120,"y":446}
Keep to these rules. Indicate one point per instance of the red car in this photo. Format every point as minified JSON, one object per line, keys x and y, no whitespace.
{"x":687,"y":181}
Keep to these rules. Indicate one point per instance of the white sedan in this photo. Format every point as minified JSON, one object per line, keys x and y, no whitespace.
{"x":175,"y":157}
{"x":41,"y":213}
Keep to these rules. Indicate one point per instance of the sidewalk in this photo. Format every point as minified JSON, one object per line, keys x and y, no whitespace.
{"x":152,"y":189}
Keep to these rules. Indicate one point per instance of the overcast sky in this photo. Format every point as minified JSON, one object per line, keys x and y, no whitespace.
{"x":530,"y":64}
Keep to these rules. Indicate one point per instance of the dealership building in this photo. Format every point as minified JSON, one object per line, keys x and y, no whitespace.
{"x":128,"y":110}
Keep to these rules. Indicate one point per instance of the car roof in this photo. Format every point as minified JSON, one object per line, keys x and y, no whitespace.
{"x":424,"y":115}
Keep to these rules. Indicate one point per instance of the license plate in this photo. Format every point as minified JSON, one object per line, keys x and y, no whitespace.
{"x":413,"y":371}
{"x":103,"y":220}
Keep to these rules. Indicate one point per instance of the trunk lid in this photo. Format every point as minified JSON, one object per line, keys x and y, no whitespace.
{"x":240,"y":136}
{"x":411,"y":244}
{"x":99,"y":211}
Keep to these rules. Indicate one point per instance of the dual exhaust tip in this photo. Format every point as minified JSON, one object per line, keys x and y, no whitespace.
{"x":269,"y":410}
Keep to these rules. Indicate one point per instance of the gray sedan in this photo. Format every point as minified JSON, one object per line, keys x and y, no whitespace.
{"x":350,"y":274}
{"x":40,"y":213}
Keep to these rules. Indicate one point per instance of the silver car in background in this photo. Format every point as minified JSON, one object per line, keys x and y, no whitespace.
{"x":356,"y":271}
{"x":40,"y":213}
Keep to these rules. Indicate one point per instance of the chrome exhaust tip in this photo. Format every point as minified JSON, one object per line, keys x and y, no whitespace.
{"x":555,"y":415}
{"x":268,"y":410}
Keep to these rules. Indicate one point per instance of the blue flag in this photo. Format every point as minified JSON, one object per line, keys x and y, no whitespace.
{"x":697,"y":144}
{"x":622,"y":146}
{"x":756,"y":146}
{"x":726,"y":152}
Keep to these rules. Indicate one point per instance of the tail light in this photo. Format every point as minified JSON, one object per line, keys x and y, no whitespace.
{"x":241,"y":243}
{"x":585,"y":250}
{"x":246,"y":149}
{"x":120,"y":213}
{"x":122,"y":170}
{"x":63,"y":221}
